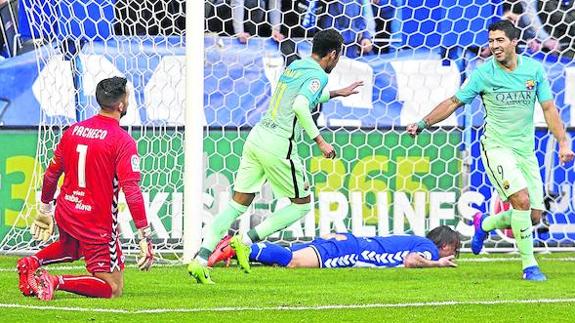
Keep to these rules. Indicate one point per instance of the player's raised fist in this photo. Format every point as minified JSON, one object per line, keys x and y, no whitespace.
{"x":146,"y":256}
{"x":43,"y":225}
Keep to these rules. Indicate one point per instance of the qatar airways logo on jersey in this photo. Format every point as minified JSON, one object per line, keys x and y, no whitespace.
{"x":89,"y":132}
{"x":516,"y":97}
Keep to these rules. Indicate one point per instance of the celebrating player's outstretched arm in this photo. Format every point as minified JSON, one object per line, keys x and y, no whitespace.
{"x":346,"y":91}
{"x":442,"y":111}
{"x":301,"y":108}
{"x":98,"y":158}
{"x":327,"y":149}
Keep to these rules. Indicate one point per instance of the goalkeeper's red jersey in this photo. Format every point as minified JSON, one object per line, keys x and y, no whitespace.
{"x":97,"y":158}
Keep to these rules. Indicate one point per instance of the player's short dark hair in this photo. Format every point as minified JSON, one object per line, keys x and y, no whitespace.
{"x":325,"y":41}
{"x":110,"y":91}
{"x":507,"y":27}
{"x":444,"y":235}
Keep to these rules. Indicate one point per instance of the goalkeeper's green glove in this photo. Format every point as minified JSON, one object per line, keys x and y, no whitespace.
{"x":146,"y":256}
{"x":43,"y":225}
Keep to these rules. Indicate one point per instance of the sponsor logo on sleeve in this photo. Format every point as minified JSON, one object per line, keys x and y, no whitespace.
{"x":314,"y":85}
{"x":135,"y":163}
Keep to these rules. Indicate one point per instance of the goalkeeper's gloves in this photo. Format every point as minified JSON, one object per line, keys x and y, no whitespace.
{"x":146,"y":256}
{"x":43,"y":225}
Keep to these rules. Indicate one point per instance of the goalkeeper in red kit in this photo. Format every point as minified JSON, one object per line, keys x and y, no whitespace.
{"x":97,"y":158}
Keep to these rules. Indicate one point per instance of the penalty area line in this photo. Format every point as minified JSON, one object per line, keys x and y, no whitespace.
{"x":287,"y":308}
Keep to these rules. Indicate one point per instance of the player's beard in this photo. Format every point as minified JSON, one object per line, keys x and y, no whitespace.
{"x":123,"y":113}
{"x":329,"y":68}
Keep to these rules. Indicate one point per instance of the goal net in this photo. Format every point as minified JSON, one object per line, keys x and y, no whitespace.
{"x":79,"y":43}
{"x":383,"y":181}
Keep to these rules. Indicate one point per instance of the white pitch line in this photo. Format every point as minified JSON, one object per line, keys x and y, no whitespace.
{"x":486,"y":259}
{"x":559,"y":259}
{"x":288,"y":308}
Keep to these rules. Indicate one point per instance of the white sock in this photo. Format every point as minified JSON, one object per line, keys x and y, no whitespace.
{"x":202,"y":261}
{"x":246,"y":239}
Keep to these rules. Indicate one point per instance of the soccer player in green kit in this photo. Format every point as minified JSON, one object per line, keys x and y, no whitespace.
{"x":270,"y":153}
{"x":508,"y":84}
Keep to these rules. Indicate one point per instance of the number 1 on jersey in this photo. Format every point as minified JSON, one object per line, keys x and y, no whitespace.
{"x":82,"y":151}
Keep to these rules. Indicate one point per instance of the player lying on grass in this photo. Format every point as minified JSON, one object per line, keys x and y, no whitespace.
{"x":509,"y":84}
{"x":339,"y":250}
{"x":270,"y":153}
{"x":97,"y":158}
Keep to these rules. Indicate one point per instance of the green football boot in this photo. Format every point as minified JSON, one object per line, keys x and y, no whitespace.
{"x":242,"y":253}
{"x":199,"y":272}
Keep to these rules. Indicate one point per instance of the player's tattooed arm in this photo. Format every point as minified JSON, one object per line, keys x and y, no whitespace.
{"x":443,"y":110}
{"x":438,"y":114}
{"x":455,"y":101}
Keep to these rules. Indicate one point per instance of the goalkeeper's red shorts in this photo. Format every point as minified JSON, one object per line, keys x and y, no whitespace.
{"x":99,"y":258}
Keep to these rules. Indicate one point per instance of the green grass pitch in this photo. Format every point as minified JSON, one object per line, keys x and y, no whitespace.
{"x":489,"y":291}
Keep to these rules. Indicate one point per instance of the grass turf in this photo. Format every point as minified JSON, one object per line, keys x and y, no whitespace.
{"x":171,"y":291}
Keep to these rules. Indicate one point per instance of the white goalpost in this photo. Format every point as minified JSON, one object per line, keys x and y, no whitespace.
{"x":193,"y":172}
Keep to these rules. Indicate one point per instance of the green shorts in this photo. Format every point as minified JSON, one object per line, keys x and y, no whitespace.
{"x":287,"y":177}
{"x":510,"y":172}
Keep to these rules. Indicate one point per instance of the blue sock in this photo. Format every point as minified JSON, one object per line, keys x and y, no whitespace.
{"x":270,"y":254}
